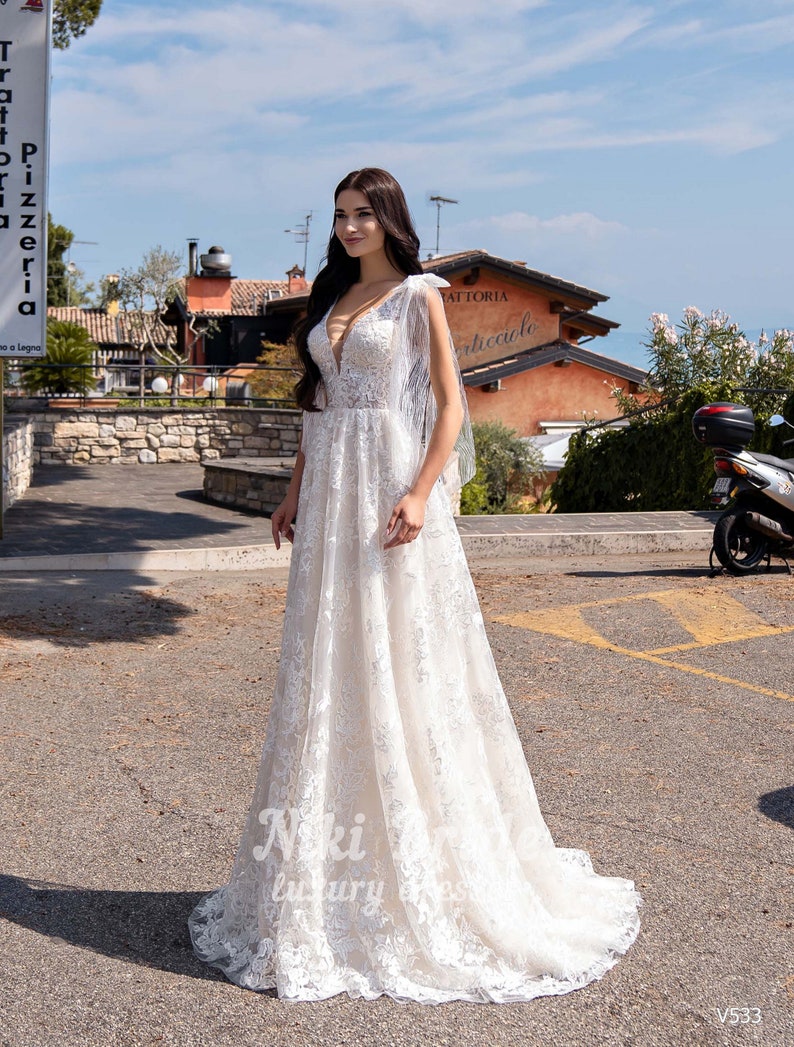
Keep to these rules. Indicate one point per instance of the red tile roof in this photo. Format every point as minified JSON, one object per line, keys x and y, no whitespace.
{"x":249,"y":296}
{"x":102,"y":328}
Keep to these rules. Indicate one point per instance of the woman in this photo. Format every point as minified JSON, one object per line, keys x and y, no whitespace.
{"x":394,"y":843}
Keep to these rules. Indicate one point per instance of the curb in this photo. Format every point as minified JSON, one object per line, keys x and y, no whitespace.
{"x":587,"y":543}
{"x":236,"y":558}
{"x":257,"y":557}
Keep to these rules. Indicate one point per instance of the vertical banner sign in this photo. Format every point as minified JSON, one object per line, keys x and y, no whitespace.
{"x":24,"y":97}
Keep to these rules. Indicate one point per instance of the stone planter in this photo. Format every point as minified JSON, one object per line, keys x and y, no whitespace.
{"x":257,"y":484}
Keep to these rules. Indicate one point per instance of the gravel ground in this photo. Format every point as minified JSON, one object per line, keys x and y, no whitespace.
{"x":132,"y":720}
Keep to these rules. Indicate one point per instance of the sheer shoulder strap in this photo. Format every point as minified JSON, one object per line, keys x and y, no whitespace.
{"x":415,"y":394}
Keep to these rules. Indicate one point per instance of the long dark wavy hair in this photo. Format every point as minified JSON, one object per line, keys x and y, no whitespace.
{"x":340,"y":271}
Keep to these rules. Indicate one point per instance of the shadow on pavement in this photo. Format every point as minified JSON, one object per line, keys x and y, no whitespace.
{"x":76,"y":610}
{"x":779,"y":805}
{"x":49,"y":529}
{"x":652,"y":572}
{"x":141,"y":927}
{"x":54,"y":477}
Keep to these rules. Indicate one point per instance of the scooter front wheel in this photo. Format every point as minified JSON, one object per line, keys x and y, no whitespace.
{"x":738,"y":547}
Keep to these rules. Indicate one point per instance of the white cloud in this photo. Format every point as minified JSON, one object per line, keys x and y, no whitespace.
{"x":764,"y":35}
{"x":243,"y":115}
{"x":577,"y":246}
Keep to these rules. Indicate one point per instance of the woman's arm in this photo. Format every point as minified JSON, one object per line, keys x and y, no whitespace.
{"x":282,"y":519}
{"x":408,"y":516}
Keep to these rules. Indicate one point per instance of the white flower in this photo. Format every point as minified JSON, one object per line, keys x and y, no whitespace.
{"x":692,"y":313}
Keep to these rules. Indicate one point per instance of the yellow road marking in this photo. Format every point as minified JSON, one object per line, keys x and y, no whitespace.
{"x":714,"y":620}
{"x":566,"y":622}
{"x":721,"y":620}
{"x":677,"y":648}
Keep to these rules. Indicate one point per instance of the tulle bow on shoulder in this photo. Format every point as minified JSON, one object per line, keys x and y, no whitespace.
{"x":429,"y":279}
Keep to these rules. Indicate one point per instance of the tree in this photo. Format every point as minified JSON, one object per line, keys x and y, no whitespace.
{"x":65,"y":284}
{"x":276,"y":384}
{"x":59,"y":240}
{"x":654,"y":463}
{"x":66,"y":367}
{"x":71,"y":18}
{"x":143,"y":295}
{"x":506,"y":465}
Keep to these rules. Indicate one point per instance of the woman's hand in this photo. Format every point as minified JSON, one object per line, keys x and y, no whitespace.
{"x":406,"y":520}
{"x":282,"y":519}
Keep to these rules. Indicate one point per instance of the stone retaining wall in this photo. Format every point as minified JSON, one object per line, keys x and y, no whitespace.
{"x":79,"y":436}
{"x":17,"y":459}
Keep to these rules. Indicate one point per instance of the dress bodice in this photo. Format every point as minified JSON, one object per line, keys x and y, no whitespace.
{"x":384,"y":364}
{"x":363,"y":377}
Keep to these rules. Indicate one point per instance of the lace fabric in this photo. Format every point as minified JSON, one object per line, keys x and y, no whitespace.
{"x":394,"y":843}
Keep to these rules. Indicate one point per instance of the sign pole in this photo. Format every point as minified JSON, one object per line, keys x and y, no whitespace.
{"x":2,"y":441}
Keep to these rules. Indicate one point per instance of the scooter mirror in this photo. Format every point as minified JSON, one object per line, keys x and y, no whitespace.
{"x":777,"y":419}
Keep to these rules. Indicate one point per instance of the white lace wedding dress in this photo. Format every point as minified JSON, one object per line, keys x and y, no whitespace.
{"x":394,"y":843}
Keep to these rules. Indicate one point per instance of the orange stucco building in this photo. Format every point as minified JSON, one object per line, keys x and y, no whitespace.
{"x":521,"y":337}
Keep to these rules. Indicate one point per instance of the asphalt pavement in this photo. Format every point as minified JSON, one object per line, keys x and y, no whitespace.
{"x":145,"y":517}
{"x":655,"y":705}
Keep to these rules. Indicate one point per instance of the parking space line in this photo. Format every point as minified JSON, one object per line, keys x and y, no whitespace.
{"x":721,"y":621}
{"x":710,"y":624}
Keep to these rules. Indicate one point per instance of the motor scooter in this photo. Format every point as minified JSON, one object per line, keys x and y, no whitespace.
{"x":757,"y":490}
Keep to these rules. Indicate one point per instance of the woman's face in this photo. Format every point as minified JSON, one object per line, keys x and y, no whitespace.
{"x":356,"y":226}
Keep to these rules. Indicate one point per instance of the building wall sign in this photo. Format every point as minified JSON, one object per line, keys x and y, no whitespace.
{"x":508,"y":340}
{"x":24,"y":96}
{"x":473,"y":296}
{"x":495,"y":319}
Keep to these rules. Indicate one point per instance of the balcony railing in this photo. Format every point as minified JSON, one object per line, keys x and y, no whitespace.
{"x":251,"y":385}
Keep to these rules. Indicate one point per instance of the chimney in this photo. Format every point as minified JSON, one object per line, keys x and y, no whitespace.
{"x":112,"y":303}
{"x":296,"y":280}
{"x":210,"y":288}
{"x":192,"y":256}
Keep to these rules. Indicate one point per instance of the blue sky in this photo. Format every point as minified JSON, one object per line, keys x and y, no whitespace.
{"x":641,"y":149}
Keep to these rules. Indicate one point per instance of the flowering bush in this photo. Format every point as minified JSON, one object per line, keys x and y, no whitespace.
{"x":655,"y":463}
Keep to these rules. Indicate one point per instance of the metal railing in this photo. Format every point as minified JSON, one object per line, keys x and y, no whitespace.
{"x":154,"y":385}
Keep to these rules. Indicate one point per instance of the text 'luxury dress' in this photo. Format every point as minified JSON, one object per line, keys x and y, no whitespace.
{"x":395,"y":843}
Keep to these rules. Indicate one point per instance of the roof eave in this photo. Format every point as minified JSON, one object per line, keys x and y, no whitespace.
{"x":551,"y":353}
{"x":572,"y":293}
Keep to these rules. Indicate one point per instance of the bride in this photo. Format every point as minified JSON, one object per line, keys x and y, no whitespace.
{"x":394,"y":843}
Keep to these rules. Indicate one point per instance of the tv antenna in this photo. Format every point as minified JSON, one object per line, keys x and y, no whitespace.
{"x":439,"y":201}
{"x":301,"y":235}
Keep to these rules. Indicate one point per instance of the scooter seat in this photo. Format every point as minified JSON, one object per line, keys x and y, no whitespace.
{"x":779,"y":463}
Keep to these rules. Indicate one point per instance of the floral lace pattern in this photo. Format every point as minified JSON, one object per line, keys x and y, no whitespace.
{"x":395,"y":844}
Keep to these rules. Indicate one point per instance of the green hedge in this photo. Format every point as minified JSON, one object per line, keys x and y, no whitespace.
{"x":655,"y":463}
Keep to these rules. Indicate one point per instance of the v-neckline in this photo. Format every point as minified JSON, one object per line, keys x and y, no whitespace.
{"x":342,"y":340}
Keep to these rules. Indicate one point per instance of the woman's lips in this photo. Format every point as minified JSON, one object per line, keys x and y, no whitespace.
{"x":354,"y":240}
